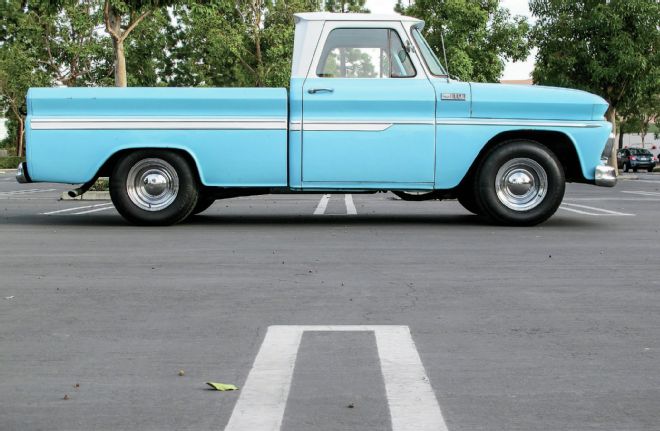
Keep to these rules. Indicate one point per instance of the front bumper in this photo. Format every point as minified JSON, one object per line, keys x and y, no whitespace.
{"x":22,"y":175}
{"x":605,"y":176}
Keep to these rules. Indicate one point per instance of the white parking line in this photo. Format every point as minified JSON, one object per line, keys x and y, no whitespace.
{"x":618,"y":199}
{"x":643,"y":193}
{"x":350,"y":206}
{"x":598,"y":211}
{"x":641,"y":181}
{"x":323,"y":204}
{"x":78,"y":208}
{"x":95,"y":210}
{"x":412,"y":402}
{"x":25,"y":192}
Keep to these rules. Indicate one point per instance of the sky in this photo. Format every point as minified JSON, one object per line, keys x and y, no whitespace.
{"x":519,"y":70}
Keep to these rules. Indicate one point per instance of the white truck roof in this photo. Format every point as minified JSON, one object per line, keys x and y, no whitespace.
{"x":330,"y":16}
{"x":309,"y":26}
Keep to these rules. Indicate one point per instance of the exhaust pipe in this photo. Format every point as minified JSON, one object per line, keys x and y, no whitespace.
{"x":82,"y":189}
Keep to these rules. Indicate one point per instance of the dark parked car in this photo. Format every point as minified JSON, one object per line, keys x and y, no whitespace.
{"x":635,"y":158}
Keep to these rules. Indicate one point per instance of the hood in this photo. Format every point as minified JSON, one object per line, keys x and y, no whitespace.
{"x":533,"y":102}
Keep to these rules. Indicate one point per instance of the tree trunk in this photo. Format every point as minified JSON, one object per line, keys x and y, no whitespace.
{"x":611,"y":117}
{"x":19,"y":137}
{"x":114,"y":26}
{"x":120,"y":64}
{"x":257,"y":7}
{"x":621,"y":140}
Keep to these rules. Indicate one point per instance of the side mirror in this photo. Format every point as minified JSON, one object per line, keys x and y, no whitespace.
{"x":409,"y":48}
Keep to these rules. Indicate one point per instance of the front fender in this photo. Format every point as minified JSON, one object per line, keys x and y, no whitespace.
{"x":460,"y":143}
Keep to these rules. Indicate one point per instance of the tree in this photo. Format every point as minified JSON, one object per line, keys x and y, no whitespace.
{"x":148,"y":51}
{"x":43,"y":44}
{"x":234,"y":42}
{"x":121,"y":17}
{"x":14,"y":84}
{"x":68,"y":43}
{"x":346,"y":6}
{"x":479,"y":35}
{"x":609,"y":48}
{"x":640,"y":118}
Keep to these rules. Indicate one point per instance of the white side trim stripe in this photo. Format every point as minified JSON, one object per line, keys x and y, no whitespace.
{"x":225,"y":123}
{"x":158,"y":123}
{"x":511,"y":122}
{"x":346,"y":127}
{"x":353,"y":125}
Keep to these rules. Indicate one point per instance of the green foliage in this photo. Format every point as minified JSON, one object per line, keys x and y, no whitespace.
{"x":346,"y":6}
{"x":44,"y":45}
{"x":608,"y":48}
{"x":10,"y":162}
{"x":640,"y":120}
{"x":147,"y":51}
{"x":234,"y":43}
{"x":479,"y":35}
{"x":14,"y":82}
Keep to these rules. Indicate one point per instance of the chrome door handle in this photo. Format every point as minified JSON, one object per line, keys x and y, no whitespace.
{"x":320,"y":90}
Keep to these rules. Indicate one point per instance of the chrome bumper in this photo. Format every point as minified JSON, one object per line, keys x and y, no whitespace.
{"x":22,"y":175}
{"x":605,"y":176}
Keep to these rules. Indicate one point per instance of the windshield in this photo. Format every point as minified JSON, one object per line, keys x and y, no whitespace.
{"x":429,"y":57}
{"x":639,"y":152}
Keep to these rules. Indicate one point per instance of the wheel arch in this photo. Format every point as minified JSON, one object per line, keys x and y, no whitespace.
{"x":106,"y":168}
{"x":561,"y":144}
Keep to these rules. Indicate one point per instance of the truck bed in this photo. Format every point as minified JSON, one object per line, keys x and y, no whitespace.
{"x":236,"y":136}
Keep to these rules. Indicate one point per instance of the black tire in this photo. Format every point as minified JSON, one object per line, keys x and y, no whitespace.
{"x":180,"y":202}
{"x":635,"y":170}
{"x":650,"y":169}
{"x":516,"y":161}
{"x":625,"y":167}
{"x":203,"y":203}
{"x":469,"y":202}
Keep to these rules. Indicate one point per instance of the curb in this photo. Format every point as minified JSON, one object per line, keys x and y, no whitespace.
{"x":88,"y":196}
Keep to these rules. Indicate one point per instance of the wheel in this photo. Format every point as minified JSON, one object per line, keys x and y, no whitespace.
{"x":650,"y":169}
{"x":519,"y":183}
{"x":154,"y":187}
{"x":415,"y":196}
{"x":203,"y":203}
{"x":468,"y":201}
{"x":625,"y":167}
{"x":634,"y":170}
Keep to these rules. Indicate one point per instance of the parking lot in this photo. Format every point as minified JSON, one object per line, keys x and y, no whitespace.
{"x":383,"y":315}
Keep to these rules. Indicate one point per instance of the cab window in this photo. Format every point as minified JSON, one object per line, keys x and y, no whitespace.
{"x":365,"y":53}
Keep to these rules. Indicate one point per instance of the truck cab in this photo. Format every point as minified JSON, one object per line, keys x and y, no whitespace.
{"x":369,"y":108}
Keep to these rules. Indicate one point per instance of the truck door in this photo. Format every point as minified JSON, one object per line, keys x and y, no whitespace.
{"x":368,"y":112}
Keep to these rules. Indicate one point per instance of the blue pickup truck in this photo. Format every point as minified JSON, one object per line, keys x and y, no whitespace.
{"x":370,"y":108}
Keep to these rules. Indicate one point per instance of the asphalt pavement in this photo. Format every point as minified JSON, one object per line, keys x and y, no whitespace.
{"x":383,"y":315}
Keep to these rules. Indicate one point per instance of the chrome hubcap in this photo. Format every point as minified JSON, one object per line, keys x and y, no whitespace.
{"x":152,"y":184}
{"x":521,"y":184}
